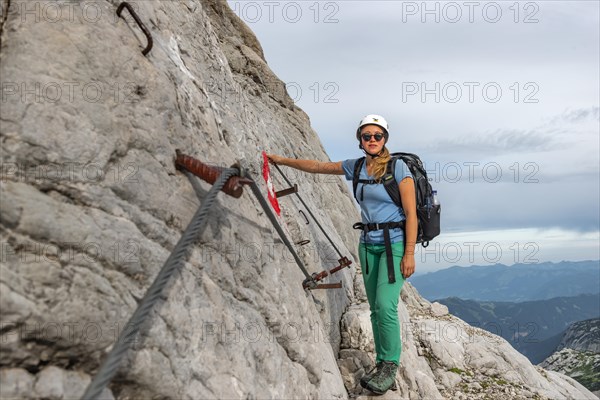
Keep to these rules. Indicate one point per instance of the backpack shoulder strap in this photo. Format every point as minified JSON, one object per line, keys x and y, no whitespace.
{"x":357,"y":166}
{"x":390,"y":182}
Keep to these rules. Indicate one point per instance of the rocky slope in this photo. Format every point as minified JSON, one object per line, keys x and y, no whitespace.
{"x":445,"y":358}
{"x":578,"y":354}
{"x":92,"y":205}
{"x":583,"y":366}
{"x":582,"y":336}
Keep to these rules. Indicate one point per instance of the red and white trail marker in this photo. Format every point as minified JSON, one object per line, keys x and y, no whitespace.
{"x":270,"y":189}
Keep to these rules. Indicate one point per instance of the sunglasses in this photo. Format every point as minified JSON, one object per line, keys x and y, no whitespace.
{"x":367,"y":137}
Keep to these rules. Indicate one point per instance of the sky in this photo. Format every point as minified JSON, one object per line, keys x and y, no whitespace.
{"x":499,"y":99}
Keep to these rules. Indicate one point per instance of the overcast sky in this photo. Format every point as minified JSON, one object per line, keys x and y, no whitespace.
{"x":499,"y":99}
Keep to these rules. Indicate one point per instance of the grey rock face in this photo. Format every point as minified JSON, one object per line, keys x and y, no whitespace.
{"x":50,"y":383}
{"x":438,"y":309}
{"x":92,"y":205}
{"x":583,"y":366}
{"x":578,"y":355}
{"x":582,"y":336}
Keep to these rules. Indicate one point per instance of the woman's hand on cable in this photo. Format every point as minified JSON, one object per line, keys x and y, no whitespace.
{"x":275,"y":159}
{"x":407,"y":265}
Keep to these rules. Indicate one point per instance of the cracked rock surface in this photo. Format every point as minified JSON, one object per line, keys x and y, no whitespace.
{"x":443,"y":357}
{"x":92,"y":205}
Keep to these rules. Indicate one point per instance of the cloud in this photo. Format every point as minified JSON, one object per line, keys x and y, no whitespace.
{"x":577,"y":115}
{"x":553,"y":134}
{"x":498,"y":142}
{"x":547,"y":151}
{"x":492,"y":205}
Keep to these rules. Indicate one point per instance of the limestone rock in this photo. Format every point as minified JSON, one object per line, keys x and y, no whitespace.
{"x":444,"y":357}
{"x":583,"y":366}
{"x":92,"y":205}
{"x":50,"y":383}
{"x":16,"y":383}
{"x":582,"y":336}
{"x":438,"y":309}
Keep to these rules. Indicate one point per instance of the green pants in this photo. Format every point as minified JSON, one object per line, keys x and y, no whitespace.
{"x":383,"y":298}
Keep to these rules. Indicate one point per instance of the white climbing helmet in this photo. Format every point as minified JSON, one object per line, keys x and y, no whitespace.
{"x":373,"y":119}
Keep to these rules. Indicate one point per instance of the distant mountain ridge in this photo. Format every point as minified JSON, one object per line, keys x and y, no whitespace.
{"x":519,"y":282}
{"x":534,"y":328}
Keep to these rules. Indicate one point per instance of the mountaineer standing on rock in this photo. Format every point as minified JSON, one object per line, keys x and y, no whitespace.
{"x":385,"y":248}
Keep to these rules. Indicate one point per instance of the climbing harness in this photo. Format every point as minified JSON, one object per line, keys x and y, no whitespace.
{"x":343,"y":260}
{"x":139,"y":22}
{"x":385,"y":226}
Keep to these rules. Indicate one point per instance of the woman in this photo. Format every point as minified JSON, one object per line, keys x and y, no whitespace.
{"x":383,"y":290}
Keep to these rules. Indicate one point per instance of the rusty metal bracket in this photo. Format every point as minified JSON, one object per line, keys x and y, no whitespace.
{"x":285,"y":192}
{"x":210,"y":174}
{"x":234,"y":187}
{"x":337,"y":285}
{"x":312,"y":282}
{"x":304,"y":215}
{"x":140,"y":24}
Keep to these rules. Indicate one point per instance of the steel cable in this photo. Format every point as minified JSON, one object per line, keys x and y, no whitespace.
{"x":176,"y":259}
{"x":309,"y":211}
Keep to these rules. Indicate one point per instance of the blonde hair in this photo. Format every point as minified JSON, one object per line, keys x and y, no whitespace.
{"x":380,"y":164}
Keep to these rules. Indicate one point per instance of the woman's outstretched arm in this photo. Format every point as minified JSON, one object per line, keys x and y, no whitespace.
{"x":312,"y":166}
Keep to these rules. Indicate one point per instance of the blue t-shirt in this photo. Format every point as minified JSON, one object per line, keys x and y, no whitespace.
{"x":377,"y":205}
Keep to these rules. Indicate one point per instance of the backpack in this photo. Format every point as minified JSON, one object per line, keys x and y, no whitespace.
{"x":428,"y":214}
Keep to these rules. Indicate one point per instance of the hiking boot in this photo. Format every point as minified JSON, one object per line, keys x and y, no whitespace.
{"x":384,"y":379}
{"x":368,"y":376}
